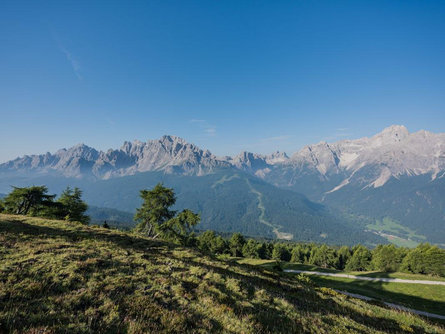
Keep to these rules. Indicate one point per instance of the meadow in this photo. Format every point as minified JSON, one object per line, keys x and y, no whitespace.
{"x":422,"y":297}
{"x":58,"y":277}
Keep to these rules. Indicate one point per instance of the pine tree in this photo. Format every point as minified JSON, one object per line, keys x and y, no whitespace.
{"x":156,"y":219}
{"x":236,"y":244}
{"x":387,"y":258}
{"x":280,"y":252}
{"x":24,"y":201}
{"x":344,"y":253}
{"x":324,"y":257}
{"x":155,"y":210}
{"x":73,"y":208}
{"x":250,"y":249}
{"x":360,"y":259}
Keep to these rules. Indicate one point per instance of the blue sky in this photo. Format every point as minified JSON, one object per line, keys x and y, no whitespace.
{"x":225,"y":75}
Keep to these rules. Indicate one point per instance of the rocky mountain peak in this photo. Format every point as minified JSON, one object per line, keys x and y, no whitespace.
{"x":277,"y":157}
{"x":391,"y":134}
{"x":173,"y":139}
{"x":392,"y":152}
{"x":245,"y":156}
{"x":84,"y":151}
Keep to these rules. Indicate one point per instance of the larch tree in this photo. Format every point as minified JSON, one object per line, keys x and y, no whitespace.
{"x":73,"y":208}
{"x":155,"y":218}
{"x":24,"y":201}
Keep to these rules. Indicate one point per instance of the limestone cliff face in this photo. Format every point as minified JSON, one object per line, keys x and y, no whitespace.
{"x":394,"y":152}
{"x":169,"y":154}
{"x":369,"y":161}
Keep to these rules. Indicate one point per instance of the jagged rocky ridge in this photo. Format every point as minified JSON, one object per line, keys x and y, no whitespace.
{"x":169,"y":154}
{"x":392,"y":153}
{"x":393,"y":174}
{"x":371,"y":162}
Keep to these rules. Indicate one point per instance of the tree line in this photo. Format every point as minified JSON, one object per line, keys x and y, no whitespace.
{"x":156,"y":219}
{"x":424,"y":259}
{"x":35,"y":201}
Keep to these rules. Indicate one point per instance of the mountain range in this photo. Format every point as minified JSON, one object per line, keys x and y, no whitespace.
{"x":390,"y":186}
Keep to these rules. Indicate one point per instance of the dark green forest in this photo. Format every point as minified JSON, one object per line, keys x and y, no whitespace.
{"x":157,"y":218}
{"x":228,"y":201}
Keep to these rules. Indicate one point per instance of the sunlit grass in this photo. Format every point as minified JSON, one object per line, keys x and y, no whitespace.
{"x":64,"y":277}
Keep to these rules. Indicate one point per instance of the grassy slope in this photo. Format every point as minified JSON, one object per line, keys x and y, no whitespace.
{"x":64,"y":277}
{"x":430,"y":298}
{"x":358,"y":273}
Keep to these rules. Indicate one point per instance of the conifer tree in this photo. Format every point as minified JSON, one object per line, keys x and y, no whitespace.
{"x":157,"y":219}
{"x":236,"y":244}
{"x":24,"y":201}
{"x":73,"y":208}
{"x":360,"y":259}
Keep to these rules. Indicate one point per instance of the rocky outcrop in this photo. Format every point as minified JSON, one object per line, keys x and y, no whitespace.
{"x":369,"y":161}
{"x":169,"y":154}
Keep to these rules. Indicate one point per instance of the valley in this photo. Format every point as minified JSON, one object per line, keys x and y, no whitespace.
{"x":222,"y":167}
{"x":386,"y":187}
{"x":279,"y":235}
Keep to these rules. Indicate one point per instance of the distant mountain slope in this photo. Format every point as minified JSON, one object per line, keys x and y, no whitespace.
{"x":228,"y":201}
{"x":415,"y":202}
{"x":169,"y":154}
{"x":113,"y":217}
{"x":394,"y":174}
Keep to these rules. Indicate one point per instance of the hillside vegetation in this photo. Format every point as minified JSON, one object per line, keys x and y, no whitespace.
{"x":58,"y":276}
{"x":227,"y":200}
{"x":422,"y":297}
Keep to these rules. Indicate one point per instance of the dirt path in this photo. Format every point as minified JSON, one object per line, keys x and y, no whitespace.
{"x":377,"y":279}
{"x":364,"y":278}
{"x":395,"y":306}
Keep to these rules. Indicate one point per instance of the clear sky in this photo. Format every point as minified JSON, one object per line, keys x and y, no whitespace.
{"x":225,"y":75}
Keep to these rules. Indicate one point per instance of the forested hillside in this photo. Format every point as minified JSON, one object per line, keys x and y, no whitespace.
{"x":116,"y":218}
{"x":325,"y":192}
{"x":228,"y":201}
{"x":416,"y":203}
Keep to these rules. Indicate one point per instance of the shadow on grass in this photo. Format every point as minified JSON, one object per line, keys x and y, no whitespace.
{"x":251,"y":279}
{"x":305,"y":300}
{"x":308,"y":267}
{"x":377,"y":291}
{"x":79,"y":233}
{"x":379,"y":274}
{"x":409,"y":276}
